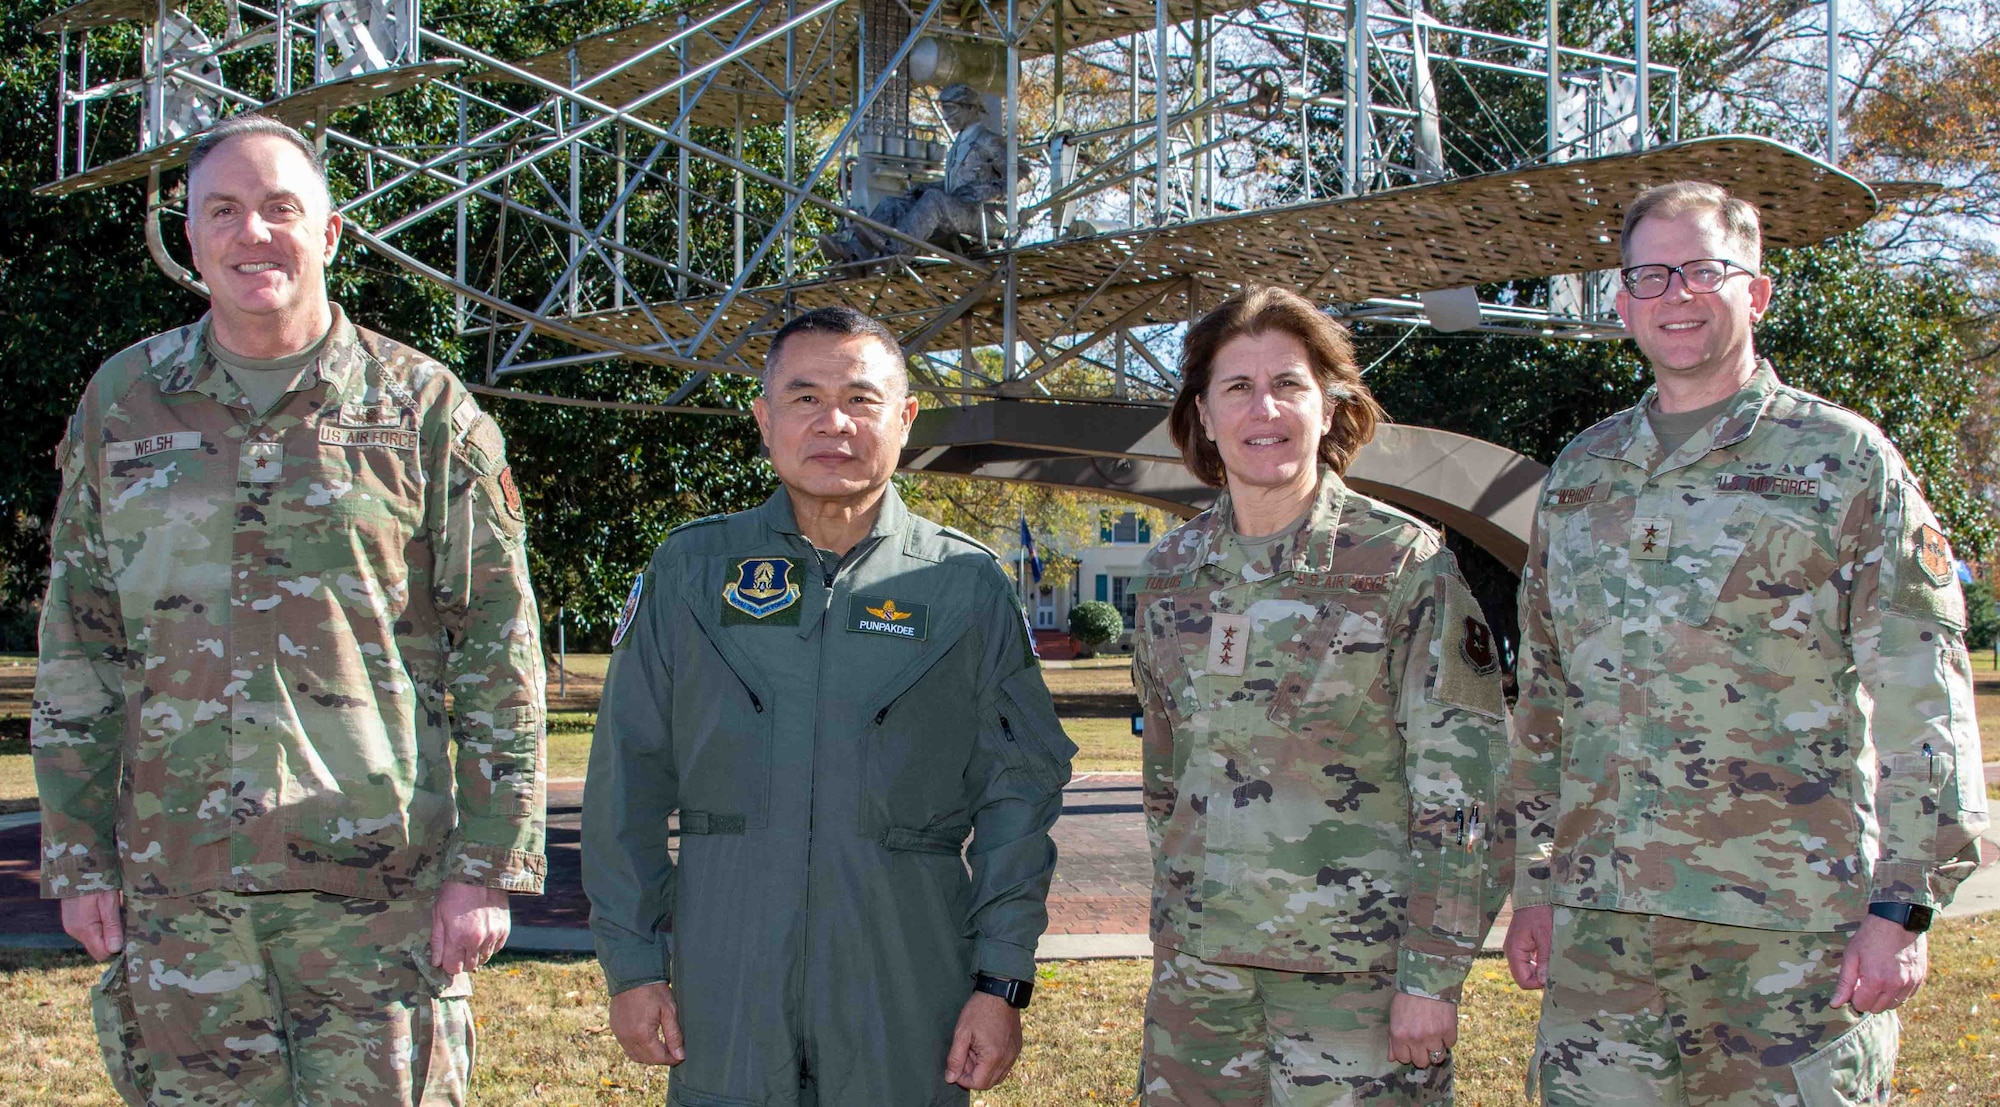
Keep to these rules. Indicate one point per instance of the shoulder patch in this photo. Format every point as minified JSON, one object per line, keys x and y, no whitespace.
{"x":1468,"y":672}
{"x":629,"y":611}
{"x":1919,"y":576}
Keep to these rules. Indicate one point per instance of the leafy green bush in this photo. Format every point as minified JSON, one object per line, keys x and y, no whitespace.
{"x":1094,"y":623}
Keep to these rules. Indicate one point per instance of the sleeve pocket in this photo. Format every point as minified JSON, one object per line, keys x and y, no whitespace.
{"x":1034,"y":736}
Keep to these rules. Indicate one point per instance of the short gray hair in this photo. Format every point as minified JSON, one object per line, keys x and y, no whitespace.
{"x":251,"y":123}
{"x":838,"y":320}
{"x":1740,"y":224}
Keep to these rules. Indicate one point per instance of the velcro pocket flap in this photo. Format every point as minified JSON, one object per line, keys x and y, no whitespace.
{"x":922,"y":841}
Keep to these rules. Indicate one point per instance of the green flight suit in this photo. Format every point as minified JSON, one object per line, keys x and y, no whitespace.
{"x":830,"y":731}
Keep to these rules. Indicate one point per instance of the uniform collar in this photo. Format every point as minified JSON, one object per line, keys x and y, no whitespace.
{"x":777,"y":514}
{"x":1306,"y":547}
{"x":193,"y":369}
{"x":1634,"y":442}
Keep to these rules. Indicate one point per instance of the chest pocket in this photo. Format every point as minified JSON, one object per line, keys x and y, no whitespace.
{"x":1582,"y":531}
{"x":1753,"y":580}
{"x":358,"y":469}
{"x":1336,"y":666}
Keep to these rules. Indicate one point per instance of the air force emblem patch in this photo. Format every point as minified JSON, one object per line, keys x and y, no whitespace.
{"x":763,"y":587}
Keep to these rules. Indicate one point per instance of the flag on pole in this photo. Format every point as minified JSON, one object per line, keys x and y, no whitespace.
{"x":1028,"y":544}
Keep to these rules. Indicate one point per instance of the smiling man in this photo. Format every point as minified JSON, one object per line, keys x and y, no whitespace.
{"x":289,"y":575}
{"x":834,"y":695}
{"x":1746,"y":765}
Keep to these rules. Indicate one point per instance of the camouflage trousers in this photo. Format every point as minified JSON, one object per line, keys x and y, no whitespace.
{"x":1651,"y":1010}
{"x":1230,"y":1034}
{"x":282,"y":998}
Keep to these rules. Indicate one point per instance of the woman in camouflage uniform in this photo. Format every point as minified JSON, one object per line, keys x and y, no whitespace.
{"x":1323,"y":723}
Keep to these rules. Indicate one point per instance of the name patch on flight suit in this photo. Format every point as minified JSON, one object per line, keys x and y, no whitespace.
{"x":762,"y":593}
{"x":1651,"y":539}
{"x":882,"y":615}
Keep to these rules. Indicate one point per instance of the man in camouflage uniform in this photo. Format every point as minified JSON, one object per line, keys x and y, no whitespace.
{"x":288,"y":575}
{"x":1747,"y":767}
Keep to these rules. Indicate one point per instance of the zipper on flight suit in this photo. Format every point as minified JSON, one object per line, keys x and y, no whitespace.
{"x":755,"y":703}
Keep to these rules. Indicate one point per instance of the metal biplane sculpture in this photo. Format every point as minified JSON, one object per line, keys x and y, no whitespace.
{"x":668,"y":193}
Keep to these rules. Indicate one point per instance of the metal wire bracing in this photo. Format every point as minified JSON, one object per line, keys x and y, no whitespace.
{"x":656,"y":193}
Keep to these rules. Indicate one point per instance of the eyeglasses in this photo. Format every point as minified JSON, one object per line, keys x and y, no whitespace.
{"x":1650,"y":282}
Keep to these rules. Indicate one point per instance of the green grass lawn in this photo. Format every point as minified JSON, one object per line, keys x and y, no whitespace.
{"x":543,"y":1037}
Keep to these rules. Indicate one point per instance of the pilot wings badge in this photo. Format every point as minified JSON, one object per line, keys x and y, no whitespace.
{"x":762,"y":588}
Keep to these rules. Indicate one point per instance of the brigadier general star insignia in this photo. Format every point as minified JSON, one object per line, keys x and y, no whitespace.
{"x":762,"y":588}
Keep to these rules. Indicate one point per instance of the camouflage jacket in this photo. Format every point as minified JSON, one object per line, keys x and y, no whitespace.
{"x":1703,"y":636}
{"x":1324,"y":734}
{"x":252,"y":626}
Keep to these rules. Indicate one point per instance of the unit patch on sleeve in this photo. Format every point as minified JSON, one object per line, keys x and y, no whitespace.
{"x":883,"y":615}
{"x":631,"y":609}
{"x":1477,"y":645}
{"x":1933,"y":555}
{"x":763,"y":592}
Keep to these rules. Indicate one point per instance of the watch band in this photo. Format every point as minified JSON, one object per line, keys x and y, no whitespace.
{"x":1015,"y":992}
{"x":1909,"y":916}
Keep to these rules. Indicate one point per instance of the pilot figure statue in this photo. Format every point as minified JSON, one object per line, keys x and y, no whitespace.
{"x":975,"y":175}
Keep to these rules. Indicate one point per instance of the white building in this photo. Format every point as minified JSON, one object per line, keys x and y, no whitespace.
{"x":1106,"y":571}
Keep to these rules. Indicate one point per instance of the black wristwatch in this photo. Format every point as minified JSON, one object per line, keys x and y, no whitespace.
{"x":1909,"y":916}
{"x":1015,"y":992}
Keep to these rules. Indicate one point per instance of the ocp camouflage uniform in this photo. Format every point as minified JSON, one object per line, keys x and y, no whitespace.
{"x":1700,"y":788}
{"x":1324,"y":725}
{"x":251,"y":631}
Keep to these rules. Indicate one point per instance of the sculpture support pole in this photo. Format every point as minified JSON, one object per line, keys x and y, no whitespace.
{"x":1010,"y":366}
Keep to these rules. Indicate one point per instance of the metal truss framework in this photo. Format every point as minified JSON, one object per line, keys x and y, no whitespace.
{"x":652,"y":193}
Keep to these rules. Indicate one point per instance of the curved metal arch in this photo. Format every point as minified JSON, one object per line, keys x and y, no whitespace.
{"x":1477,"y":488}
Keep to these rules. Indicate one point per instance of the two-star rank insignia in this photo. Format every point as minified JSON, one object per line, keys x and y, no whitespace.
{"x":1228,"y":643}
{"x":763,"y":587}
{"x":882,"y":615}
{"x":1651,"y":539}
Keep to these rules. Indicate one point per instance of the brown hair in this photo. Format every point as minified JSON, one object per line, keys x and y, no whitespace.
{"x":1260,"y":310}
{"x":1740,"y":226}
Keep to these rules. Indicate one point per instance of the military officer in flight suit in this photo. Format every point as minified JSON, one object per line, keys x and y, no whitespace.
{"x":836,"y":697}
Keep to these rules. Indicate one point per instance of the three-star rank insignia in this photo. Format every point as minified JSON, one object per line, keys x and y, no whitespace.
{"x":1477,"y":645}
{"x":883,"y":615}
{"x":1228,"y":642}
{"x":763,"y":592}
{"x":1652,"y":539}
{"x":1933,"y":555}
